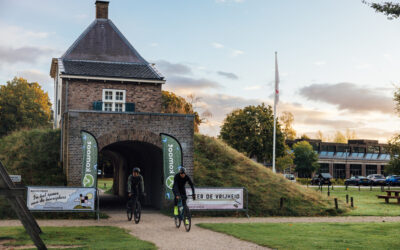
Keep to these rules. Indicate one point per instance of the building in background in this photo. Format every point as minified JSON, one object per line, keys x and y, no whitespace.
{"x":343,"y":160}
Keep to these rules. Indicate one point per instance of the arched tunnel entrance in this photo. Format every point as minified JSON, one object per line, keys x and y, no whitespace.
{"x":122,"y":157}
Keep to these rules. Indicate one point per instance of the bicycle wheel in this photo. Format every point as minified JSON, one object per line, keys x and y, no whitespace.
{"x":177,"y":221}
{"x":187,"y":218}
{"x":129,"y":213}
{"x":138,"y":212}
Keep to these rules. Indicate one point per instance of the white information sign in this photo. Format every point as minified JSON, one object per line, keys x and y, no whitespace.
{"x":61,"y":198}
{"x":216,"y":199}
{"x":15,"y":178}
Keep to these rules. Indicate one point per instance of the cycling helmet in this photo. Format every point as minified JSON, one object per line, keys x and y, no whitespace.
{"x":137,"y":170}
{"x":182,"y":170}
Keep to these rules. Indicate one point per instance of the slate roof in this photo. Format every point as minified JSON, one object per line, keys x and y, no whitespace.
{"x":110,"y":69}
{"x":102,"y":51}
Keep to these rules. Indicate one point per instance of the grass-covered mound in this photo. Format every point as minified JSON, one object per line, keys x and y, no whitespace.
{"x":218,"y":165}
{"x":34,"y":154}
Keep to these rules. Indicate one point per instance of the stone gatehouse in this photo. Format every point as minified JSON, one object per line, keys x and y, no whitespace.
{"x":103,"y":86}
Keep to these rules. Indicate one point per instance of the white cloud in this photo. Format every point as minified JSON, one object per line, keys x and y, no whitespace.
{"x":217,"y":45}
{"x":363,"y":66}
{"x":18,"y":36}
{"x":33,"y":75}
{"x":154,"y":44}
{"x":237,"y":52}
{"x":319,"y":63}
{"x":253,"y":87}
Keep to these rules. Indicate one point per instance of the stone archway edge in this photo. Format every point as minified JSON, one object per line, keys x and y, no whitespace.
{"x":128,"y":135}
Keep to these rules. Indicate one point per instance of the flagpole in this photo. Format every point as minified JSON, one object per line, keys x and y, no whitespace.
{"x":275,"y":102}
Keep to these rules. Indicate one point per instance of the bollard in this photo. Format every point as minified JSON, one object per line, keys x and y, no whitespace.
{"x":382,"y":188}
{"x":359,"y":187}
{"x":336,"y":204}
{"x":281,"y":203}
{"x":389,"y":186}
{"x":105,"y":185}
{"x":346,"y":186}
{"x":332,"y":186}
{"x":347,"y":199}
{"x":352,"y":201}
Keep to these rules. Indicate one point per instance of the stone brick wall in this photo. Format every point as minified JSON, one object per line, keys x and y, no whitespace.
{"x":117,"y":126}
{"x":82,"y":94}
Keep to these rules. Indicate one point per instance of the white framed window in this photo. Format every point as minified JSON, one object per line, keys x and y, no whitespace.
{"x":114,"y":100}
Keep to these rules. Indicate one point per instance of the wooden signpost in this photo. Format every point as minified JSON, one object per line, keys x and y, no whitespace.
{"x":15,"y":196}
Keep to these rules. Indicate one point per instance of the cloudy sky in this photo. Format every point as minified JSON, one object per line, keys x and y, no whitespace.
{"x":338,"y":59}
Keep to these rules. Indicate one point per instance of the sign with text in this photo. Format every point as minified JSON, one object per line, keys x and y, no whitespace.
{"x":61,"y":199}
{"x":89,"y":161}
{"x":216,"y":199}
{"x":172,"y":162}
{"x":15,"y":178}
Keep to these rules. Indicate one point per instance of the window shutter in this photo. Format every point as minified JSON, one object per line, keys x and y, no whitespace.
{"x":130,"y":107}
{"x":97,"y":105}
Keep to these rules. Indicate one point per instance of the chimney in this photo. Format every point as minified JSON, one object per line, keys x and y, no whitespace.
{"x":102,"y":9}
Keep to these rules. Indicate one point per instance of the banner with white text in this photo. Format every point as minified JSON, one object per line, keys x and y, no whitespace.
{"x":172,"y":162}
{"x":61,"y":199}
{"x":216,"y":199}
{"x":89,"y":160}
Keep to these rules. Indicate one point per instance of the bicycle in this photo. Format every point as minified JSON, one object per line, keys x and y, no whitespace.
{"x":136,"y":214}
{"x":184,"y":215}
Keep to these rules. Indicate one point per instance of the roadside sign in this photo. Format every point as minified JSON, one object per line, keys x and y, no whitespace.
{"x":15,"y":178}
{"x":61,"y":199}
{"x":216,"y":199}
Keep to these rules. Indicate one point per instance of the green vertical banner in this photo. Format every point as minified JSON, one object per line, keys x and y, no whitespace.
{"x":89,"y":160}
{"x":172,"y":162}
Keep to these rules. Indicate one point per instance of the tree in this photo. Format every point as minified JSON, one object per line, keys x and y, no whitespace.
{"x":285,"y":161}
{"x":250,"y":131}
{"x":305,"y":159}
{"x":23,"y":105}
{"x":320,"y":136}
{"x":390,"y":9}
{"x":304,"y":137}
{"x":172,"y":103}
{"x":287,"y":120}
{"x":351,"y":134}
{"x":393,"y":166}
{"x":339,"y":137}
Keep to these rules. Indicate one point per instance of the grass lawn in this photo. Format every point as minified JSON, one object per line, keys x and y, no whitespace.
{"x":365,"y":201}
{"x":315,"y":235}
{"x":108,"y":184}
{"x":85,"y":237}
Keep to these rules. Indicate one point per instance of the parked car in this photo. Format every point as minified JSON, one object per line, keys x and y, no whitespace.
{"x":393,"y":180}
{"x":321,"y":179}
{"x":377,"y":179}
{"x":290,"y":177}
{"x":357,"y":180}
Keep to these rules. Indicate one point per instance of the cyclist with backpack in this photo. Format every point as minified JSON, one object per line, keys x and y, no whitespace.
{"x":135,"y":188}
{"x":180,"y":180}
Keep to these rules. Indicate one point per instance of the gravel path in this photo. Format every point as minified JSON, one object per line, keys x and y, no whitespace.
{"x":160,"y":229}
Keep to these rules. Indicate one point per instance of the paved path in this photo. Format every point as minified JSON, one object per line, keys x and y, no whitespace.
{"x":160,"y":229}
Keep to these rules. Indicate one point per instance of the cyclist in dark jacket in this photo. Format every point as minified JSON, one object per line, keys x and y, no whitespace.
{"x":135,"y":187}
{"x":179,"y":189}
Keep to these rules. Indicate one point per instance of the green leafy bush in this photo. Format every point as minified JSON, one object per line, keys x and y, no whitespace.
{"x":33,"y":154}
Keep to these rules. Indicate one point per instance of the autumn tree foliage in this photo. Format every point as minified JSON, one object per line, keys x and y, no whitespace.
{"x":23,"y":105}
{"x":172,"y":103}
